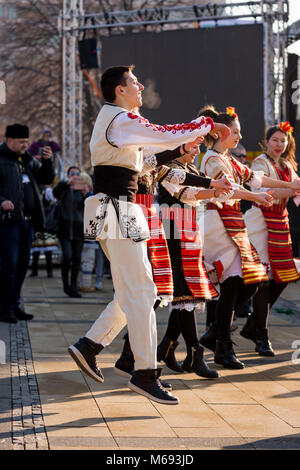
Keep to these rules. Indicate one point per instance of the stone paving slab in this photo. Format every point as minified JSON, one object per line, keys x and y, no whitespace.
{"x":55,"y":406}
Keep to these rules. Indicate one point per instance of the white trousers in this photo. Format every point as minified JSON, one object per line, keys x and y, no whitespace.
{"x":135,"y":295}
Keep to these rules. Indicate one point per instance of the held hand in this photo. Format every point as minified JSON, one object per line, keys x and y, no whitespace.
{"x":265,"y":199}
{"x":224,"y":184}
{"x":295,"y":185}
{"x":7,"y":206}
{"x":220,"y":130}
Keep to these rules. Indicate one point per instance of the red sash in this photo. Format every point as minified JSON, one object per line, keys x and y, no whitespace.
{"x":157,"y":246}
{"x":232,"y":218}
{"x":194,"y":270}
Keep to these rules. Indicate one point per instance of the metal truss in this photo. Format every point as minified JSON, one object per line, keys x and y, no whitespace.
{"x":70,"y":20}
{"x":73,"y":20}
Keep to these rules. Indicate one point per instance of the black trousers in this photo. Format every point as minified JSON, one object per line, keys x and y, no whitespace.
{"x":15,"y":245}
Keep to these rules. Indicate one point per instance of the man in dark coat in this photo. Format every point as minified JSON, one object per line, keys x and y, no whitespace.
{"x":21,"y":209}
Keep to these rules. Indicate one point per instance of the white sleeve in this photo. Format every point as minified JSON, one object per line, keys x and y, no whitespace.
{"x":255,"y":181}
{"x":188,"y":196}
{"x":131,"y":130}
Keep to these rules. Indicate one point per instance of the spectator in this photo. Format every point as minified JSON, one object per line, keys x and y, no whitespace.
{"x":88,"y":251}
{"x":71,"y":195}
{"x":21,"y":210}
{"x":36,"y":148}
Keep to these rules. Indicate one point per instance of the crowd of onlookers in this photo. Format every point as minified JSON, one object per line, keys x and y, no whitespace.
{"x":42,"y":216}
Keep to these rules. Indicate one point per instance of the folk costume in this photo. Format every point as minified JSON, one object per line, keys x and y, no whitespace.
{"x":173,"y":176}
{"x":113,"y":217}
{"x":229,"y":255}
{"x":269,"y":232}
{"x":191,"y":282}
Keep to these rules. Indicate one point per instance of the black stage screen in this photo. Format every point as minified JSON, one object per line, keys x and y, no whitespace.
{"x":185,"y":69}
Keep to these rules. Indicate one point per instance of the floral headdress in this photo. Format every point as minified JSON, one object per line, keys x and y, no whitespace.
{"x":286,"y":128}
{"x":230,"y":110}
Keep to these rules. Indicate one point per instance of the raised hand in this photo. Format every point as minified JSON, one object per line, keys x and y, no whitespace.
{"x":220,"y":130}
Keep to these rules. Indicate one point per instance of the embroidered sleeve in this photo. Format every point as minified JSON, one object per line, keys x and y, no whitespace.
{"x":259,"y":164}
{"x":129,"y":129}
{"x":215,"y":168}
{"x":187,"y":196}
{"x":149,"y":164}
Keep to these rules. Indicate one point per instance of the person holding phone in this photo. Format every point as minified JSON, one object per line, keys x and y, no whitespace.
{"x":71,"y":195}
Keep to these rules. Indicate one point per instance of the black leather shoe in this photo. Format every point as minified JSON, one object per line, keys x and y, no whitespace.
{"x":226,"y":357}
{"x":208,"y":340}
{"x":84,"y":354}
{"x":21,"y":315}
{"x":263,"y":344}
{"x":194,"y":362}
{"x":146,"y":382}
{"x":166,"y":353}
{"x":249,"y":330}
{"x":8,"y":317}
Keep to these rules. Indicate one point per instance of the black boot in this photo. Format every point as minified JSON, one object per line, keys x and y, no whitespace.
{"x":208,"y":340}
{"x":65,"y":270}
{"x":73,"y":286}
{"x":194,"y":362}
{"x":263,"y":344}
{"x":84,"y":354}
{"x":35,"y":264}
{"x":49,"y":267}
{"x":125,"y":364}
{"x":166,"y":353}
{"x":249,"y":330}
{"x":225,"y":355}
{"x":147,"y":383}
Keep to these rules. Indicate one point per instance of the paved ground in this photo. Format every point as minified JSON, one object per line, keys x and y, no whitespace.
{"x":47,"y":403}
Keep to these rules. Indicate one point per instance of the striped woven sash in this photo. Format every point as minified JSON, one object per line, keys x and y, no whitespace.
{"x":280,"y":243}
{"x":194,"y":270}
{"x":232,"y":218}
{"x":157,"y":247}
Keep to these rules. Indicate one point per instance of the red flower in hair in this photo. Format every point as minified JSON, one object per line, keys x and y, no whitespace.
{"x":231,"y":111}
{"x":286,"y":128}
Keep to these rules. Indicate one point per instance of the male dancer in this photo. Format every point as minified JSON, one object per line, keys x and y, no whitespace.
{"x":118,"y":138}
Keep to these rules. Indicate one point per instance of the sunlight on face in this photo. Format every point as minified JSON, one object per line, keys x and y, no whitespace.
{"x":277,"y":144}
{"x":235,"y":135}
{"x":132,"y":92}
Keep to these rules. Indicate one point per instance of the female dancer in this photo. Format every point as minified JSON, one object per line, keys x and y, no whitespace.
{"x":157,"y":245}
{"x":230,"y":253}
{"x":269,"y":232}
{"x":191,"y":283}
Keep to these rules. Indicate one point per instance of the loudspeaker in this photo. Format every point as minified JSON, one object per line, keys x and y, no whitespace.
{"x":88,"y":53}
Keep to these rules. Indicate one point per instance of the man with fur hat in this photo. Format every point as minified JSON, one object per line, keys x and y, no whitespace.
{"x":21,"y":209}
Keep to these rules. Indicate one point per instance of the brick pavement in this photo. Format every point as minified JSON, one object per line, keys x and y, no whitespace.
{"x":46,"y":402}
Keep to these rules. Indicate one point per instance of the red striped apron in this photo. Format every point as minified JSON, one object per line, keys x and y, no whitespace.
{"x":194,"y":270}
{"x":232,"y":218}
{"x":157,"y":246}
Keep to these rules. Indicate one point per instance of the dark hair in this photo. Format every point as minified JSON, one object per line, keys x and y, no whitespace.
{"x":72,"y":168}
{"x":289,"y":153}
{"x":111,"y":78}
{"x":221,"y":118}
